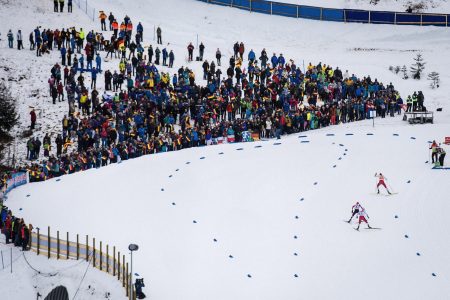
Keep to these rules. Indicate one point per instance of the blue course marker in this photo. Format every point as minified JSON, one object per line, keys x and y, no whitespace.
{"x":396,"y":216}
{"x":195,"y":222}
{"x":406,"y":236}
{"x":296,"y":217}
{"x":349,"y":134}
{"x":136,"y":274}
{"x":418,"y":254}
{"x":409,"y":181}
{"x":295,"y":254}
{"x":162,"y":190}
{"x":188,"y":162}
{"x":215,"y":240}
{"x":395,"y":134}
{"x":28,"y":195}
{"x":315,"y":183}
{"x":276,"y":144}
{"x":426,"y":162}
{"x":230,"y":256}
{"x":305,"y":141}
{"x":334,"y":166}
{"x":413,"y":138}
{"x":369,"y":134}
{"x":220,"y":153}
{"x":346,"y":150}
{"x":340,"y":158}
{"x":258,"y":146}
{"x":302,"y":136}
{"x":295,"y":237}
{"x":342,"y":145}
{"x":249,"y":276}
{"x":295,"y":275}
{"x":239,"y":149}
{"x":433,"y":274}
{"x":177,"y":170}
{"x":345,"y":154}
{"x":170,"y":176}
{"x":20,"y":208}
{"x":302,"y":199}
{"x":173,"y":203}
{"x":59,"y":179}
{"x":202,"y":157}
{"x":330,"y":134}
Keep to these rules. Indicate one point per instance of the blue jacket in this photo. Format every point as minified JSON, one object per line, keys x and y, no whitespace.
{"x":139,"y":28}
{"x":63,"y":51}
{"x":281,"y":60}
{"x":251,"y":55}
{"x":274,"y":60}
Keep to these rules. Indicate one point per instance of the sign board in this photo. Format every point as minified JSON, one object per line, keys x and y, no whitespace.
{"x":447,"y":140}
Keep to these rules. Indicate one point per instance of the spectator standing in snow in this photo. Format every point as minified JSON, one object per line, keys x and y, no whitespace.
{"x":201,"y":50}
{"x":33,"y":119}
{"x":102,"y":16}
{"x":69,"y":6}
{"x":218,"y":56}
{"x":158,"y":34}
{"x":19,"y":40}
{"x":10,"y":39}
{"x":190,"y":51}
{"x":61,"y":5}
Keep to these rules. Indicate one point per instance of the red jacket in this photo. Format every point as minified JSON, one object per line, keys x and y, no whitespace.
{"x":33,"y":116}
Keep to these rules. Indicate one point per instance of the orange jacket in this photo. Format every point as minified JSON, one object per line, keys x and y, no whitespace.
{"x":115,"y":25}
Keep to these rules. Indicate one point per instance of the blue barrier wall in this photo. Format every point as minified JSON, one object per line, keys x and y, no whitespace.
{"x":336,"y":15}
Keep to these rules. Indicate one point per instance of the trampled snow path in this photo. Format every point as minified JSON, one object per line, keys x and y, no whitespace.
{"x":208,"y":218}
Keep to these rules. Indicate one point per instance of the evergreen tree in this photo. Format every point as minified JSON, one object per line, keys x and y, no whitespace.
{"x":8,"y":114}
{"x":418,"y":67}
{"x":434,"y":78}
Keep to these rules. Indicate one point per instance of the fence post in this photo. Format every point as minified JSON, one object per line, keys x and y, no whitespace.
{"x":48,"y":242}
{"x":93,"y":252}
{"x":30,"y":240}
{"x":78,"y":247}
{"x":250,"y":5}
{"x":101,"y":258}
{"x":231,"y":5}
{"x":107,"y":258}
{"x":67,"y":246}
{"x":271,"y":9}
{"x":123,"y":270}
{"x":93,"y":15}
{"x":421,"y":18}
{"x":118,"y":265}
{"x":395,"y":18}
{"x":298,"y":8}
{"x":128,"y":283}
{"x":38,"y":241}
{"x":114,"y":260}
{"x":57,"y":244}
{"x":369,"y":16}
{"x":87,"y":248}
{"x":321,"y":12}
{"x":345,"y":16}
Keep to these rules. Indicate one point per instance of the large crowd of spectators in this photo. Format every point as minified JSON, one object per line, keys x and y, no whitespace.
{"x":144,"y":110}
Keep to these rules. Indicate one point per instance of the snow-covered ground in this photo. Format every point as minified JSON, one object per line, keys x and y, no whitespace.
{"x":25,"y":281}
{"x":205,"y":219}
{"x":429,"y":6}
{"x":248,"y":200}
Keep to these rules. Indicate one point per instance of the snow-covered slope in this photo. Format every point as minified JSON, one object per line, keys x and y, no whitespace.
{"x":248,"y":200}
{"x":207,"y":219}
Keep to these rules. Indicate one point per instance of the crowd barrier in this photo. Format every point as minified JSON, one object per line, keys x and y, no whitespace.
{"x":336,"y":15}
{"x":17,"y":179}
{"x":101,"y":256}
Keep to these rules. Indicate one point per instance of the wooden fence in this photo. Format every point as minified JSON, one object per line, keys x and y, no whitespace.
{"x":102,"y":256}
